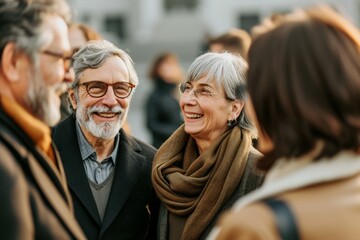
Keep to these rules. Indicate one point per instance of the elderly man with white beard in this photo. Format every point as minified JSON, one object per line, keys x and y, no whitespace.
{"x":108,"y":171}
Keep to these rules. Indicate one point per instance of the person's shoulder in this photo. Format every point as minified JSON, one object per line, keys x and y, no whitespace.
{"x":253,"y":157}
{"x":143,"y":148}
{"x":5,"y":151}
{"x":12,"y":151}
{"x":254,"y":176}
{"x":10,"y":140}
{"x":61,"y":132}
{"x":64,"y":127}
{"x":254,"y":222}
{"x":65,"y":122}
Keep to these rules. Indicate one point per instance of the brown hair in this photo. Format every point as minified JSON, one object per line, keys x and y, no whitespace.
{"x":304,"y":82}
{"x":234,"y":41}
{"x":89,"y":33}
{"x":154,"y":72}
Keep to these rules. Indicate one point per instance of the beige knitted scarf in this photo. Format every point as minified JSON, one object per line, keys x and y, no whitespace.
{"x":196,"y":186}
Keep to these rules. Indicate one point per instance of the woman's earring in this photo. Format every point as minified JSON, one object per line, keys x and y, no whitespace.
{"x":231,"y":123}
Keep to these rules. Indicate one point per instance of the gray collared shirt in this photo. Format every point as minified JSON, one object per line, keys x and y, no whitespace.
{"x":95,"y":171}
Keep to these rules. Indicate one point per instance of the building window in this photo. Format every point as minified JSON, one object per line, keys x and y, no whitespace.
{"x":116,"y":25}
{"x":249,"y":20}
{"x":180,"y":4}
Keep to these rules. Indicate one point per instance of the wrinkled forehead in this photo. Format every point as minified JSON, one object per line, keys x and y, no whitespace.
{"x":113,"y":69}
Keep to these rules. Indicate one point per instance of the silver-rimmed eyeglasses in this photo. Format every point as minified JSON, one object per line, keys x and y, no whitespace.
{"x":201,"y":92}
{"x":98,"y":89}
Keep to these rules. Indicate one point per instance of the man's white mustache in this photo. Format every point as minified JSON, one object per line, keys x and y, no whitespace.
{"x":103,"y":109}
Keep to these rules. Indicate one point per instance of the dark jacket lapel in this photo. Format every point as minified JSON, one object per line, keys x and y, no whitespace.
{"x":128,"y":165}
{"x":65,"y":139}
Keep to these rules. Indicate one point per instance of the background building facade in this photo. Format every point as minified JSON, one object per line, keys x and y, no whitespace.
{"x":145,"y":28}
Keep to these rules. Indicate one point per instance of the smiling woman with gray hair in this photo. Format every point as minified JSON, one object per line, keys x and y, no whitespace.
{"x":209,"y":162}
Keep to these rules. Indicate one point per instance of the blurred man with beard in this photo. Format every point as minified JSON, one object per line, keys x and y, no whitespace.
{"x":35,"y":201}
{"x":108,"y":171}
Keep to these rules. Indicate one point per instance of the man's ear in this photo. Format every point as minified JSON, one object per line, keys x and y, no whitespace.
{"x":72,"y":98}
{"x":10,"y":62}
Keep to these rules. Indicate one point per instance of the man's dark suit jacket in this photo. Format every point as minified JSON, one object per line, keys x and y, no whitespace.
{"x":131,"y":198}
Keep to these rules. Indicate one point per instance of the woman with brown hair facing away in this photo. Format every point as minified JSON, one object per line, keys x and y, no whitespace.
{"x":209,"y":162}
{"x":304,"y":83}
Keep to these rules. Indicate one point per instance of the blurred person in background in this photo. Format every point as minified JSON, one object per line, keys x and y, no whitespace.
{"x":234,"y":41}
{"x":163,"y":113}
{"x":79,"y":35}
{"x":108,"y":171}
{"x":307,"y":109}
{"x":209,"y":162}
{"x":269,"y":22}
{"x":35,"y":55}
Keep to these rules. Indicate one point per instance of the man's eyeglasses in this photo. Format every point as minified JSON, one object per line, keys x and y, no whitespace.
{"x":66,"y":59}
{"x":98,"y":89}
{"x":202,"y":92}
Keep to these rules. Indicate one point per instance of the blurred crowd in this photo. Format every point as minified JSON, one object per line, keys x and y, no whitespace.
{"x":259,"y":138}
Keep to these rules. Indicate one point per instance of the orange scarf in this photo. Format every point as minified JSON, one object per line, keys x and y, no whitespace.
{"x":33,"y":127}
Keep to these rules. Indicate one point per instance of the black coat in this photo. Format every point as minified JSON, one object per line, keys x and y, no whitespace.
{"x":132,"y":196}
{"x":162,"y":112}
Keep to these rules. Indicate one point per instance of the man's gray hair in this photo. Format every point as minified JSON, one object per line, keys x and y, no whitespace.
{"x":94,"y":54}
{"x":228,"y":71}
{"x":21,"y":22}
